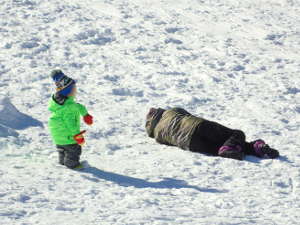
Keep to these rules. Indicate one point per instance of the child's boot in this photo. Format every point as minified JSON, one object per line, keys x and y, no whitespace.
{"x":233,"y":152}
{"x":263,"y":150}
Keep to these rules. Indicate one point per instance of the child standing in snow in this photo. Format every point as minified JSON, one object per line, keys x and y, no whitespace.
{"x":64,"y":123}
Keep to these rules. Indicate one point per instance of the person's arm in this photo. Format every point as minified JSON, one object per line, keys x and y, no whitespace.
{"x":164,"y":143}
{"x":87,"y":118}
{"x":82,"y":109}
{"x":181,"y":111}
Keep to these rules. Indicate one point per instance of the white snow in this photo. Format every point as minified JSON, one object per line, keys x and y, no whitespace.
{"x":236,"y":62}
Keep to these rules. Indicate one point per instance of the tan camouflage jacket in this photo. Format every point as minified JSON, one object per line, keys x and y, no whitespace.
{"x":173,"y":127}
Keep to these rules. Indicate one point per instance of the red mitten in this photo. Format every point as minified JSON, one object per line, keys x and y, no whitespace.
{"x":79,"y":138}
{"x":88,"y":119}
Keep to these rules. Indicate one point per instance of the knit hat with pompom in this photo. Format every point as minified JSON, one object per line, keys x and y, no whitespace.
{"x":64,"y":84}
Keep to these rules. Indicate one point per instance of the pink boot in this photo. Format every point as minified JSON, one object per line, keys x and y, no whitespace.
{"x":263,"y":150}
{"x":233,"y":152}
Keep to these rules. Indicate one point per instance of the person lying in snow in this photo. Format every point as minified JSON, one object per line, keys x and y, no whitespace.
{"x":64,"y":123}
{"x":177,"y":127}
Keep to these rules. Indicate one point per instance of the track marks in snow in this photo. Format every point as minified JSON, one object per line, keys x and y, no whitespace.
{"x":232,"y":62}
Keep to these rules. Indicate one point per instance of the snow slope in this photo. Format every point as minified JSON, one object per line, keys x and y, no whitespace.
{"x":233,"y":61}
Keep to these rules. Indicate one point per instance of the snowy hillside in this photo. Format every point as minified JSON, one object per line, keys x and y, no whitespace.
{"x":236,"y":62}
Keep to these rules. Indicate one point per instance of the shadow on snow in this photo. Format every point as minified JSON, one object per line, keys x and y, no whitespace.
{"x":12,"y":119}
{"x":126,"y":181}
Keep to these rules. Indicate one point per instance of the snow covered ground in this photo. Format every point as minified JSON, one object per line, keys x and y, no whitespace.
{"x":236,"y":62}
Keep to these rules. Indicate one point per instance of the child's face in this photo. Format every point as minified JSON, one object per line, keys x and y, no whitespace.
{"x":74,"y":91}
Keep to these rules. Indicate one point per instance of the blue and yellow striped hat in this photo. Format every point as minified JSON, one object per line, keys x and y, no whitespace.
{"x":64,"y":84}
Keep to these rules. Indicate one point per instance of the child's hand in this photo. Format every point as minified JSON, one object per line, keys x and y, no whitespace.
{"x":79,"y":138}
{"x":88,"y":119}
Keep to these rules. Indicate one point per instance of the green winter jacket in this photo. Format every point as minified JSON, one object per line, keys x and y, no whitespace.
{"x":173,"y":127}
{"x":64,"y":122}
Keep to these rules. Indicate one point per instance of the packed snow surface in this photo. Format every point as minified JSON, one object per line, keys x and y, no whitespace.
{"x":235,"y":62}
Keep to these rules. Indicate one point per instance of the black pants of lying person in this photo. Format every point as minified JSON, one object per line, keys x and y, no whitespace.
{"x":177,"y":127}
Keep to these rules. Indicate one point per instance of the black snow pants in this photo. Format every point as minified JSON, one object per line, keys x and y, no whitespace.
{"x":209,"y":136}
{"x":69,"y":155}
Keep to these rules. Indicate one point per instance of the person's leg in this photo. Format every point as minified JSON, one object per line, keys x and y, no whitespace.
{"x":249,"y":149}
{"x":234,"y":146}
{"x":201,"y":145}
{"x":201,"y":140}
{"x":61,"y":154}
{"x":72,"y":155}
{"x":216,"y":139}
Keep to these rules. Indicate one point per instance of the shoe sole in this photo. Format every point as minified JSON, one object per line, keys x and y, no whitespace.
{"x":233,"y":155}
